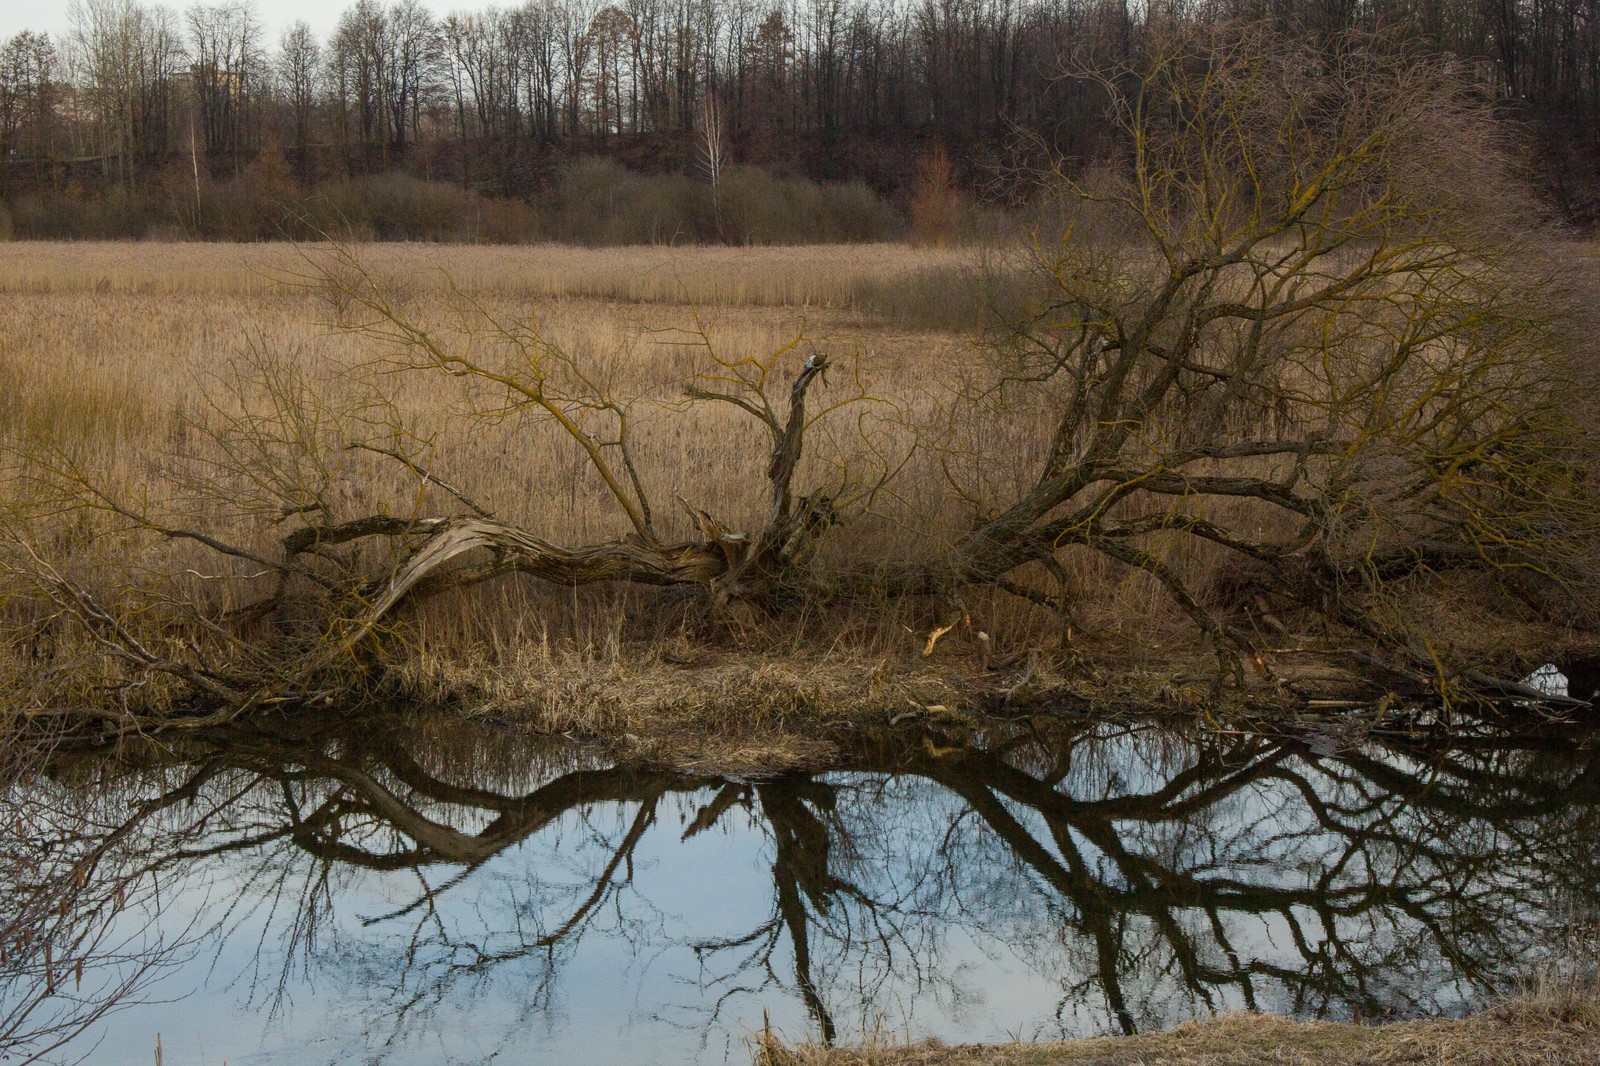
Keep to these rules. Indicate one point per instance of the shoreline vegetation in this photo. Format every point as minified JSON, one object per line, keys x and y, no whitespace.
{"x":1546,"y":1028}
{"x":1284,"y":406}
{"x":114,"y":364}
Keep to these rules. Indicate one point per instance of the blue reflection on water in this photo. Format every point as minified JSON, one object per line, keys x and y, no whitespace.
{"x":460,"y":895}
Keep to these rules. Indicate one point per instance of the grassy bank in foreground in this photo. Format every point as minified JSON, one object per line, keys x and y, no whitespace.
{"x":1545,"y":1029}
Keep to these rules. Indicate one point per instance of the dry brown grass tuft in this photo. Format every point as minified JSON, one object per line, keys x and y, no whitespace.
{"x":1529,"y":1031}
{"x":655,"y":703}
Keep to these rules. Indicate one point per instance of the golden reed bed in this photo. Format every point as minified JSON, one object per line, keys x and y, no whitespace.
{"x":209,"y":383}
{"x":145,"y":366}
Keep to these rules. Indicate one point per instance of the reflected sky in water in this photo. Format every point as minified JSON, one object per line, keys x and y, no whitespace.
{"x":437,"y":893}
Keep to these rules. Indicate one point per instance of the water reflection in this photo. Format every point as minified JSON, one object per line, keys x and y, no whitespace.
{"x":432,"y":892}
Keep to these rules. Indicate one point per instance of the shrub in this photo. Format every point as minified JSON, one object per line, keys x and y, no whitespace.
{"x":936,"y":206}
{"x":591,"y":201}
{"x":599,"y":201}
{"x":760,"y":208}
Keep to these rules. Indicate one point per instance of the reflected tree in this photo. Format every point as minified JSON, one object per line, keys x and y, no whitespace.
{"x":85,"y":929}
{"x":1145,"y":876}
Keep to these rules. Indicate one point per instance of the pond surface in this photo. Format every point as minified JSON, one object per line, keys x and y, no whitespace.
{"x":443,"y":893}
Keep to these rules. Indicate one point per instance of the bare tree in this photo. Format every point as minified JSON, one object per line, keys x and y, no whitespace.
{"x":299,"y":72}
{"x":27,"y":101}
{"x":713,"y":149}
{"x":1294,"y":333}
{"x":356,"y":57}
{"x":1293,"y":324}
{"x":228,"y":59}
{"x":126,"y":58}
{"x":576,"y":48}
{"x":413,"y":68}
{"x":611,"y":35}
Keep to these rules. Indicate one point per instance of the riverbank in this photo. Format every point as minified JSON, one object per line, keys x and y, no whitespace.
{"x":1551,"y":1029}
{"x":227,"y":492}
{"x":743,"y":707}
{"x":732,"y":709}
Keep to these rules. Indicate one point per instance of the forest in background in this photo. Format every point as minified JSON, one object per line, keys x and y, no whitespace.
{"x":741,"y":120}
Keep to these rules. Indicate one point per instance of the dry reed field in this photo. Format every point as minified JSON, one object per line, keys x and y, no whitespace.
{"x":216,"y":386}
{"x":807,"y":276}
{"x":165,"y":394}
{"x":128,"y":359}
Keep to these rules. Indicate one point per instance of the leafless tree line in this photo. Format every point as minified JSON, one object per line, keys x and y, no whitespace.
{"x":824,"y":85}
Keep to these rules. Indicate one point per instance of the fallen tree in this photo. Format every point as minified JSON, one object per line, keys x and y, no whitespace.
{"x":1298,"y":344}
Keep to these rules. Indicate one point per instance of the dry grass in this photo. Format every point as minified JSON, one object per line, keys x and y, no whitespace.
{"x":708,"y":710}
{"x":802,"y":277}
{"x":120,"y":361}
{"x":1553,"y":1029}
{"x":140,"y":364}
{"x":121,"y":351}
{"x":210,"y":384}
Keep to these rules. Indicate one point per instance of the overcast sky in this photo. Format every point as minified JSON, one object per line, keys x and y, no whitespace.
{"x":51,"y":15}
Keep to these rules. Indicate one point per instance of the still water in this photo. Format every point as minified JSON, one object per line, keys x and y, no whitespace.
{"x":442,"y":893}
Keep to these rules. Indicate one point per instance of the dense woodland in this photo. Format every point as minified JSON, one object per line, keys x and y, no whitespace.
{"x":133,"y":100}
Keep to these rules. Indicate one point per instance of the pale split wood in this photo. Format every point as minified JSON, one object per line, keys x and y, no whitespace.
{"x":629,"y":559}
